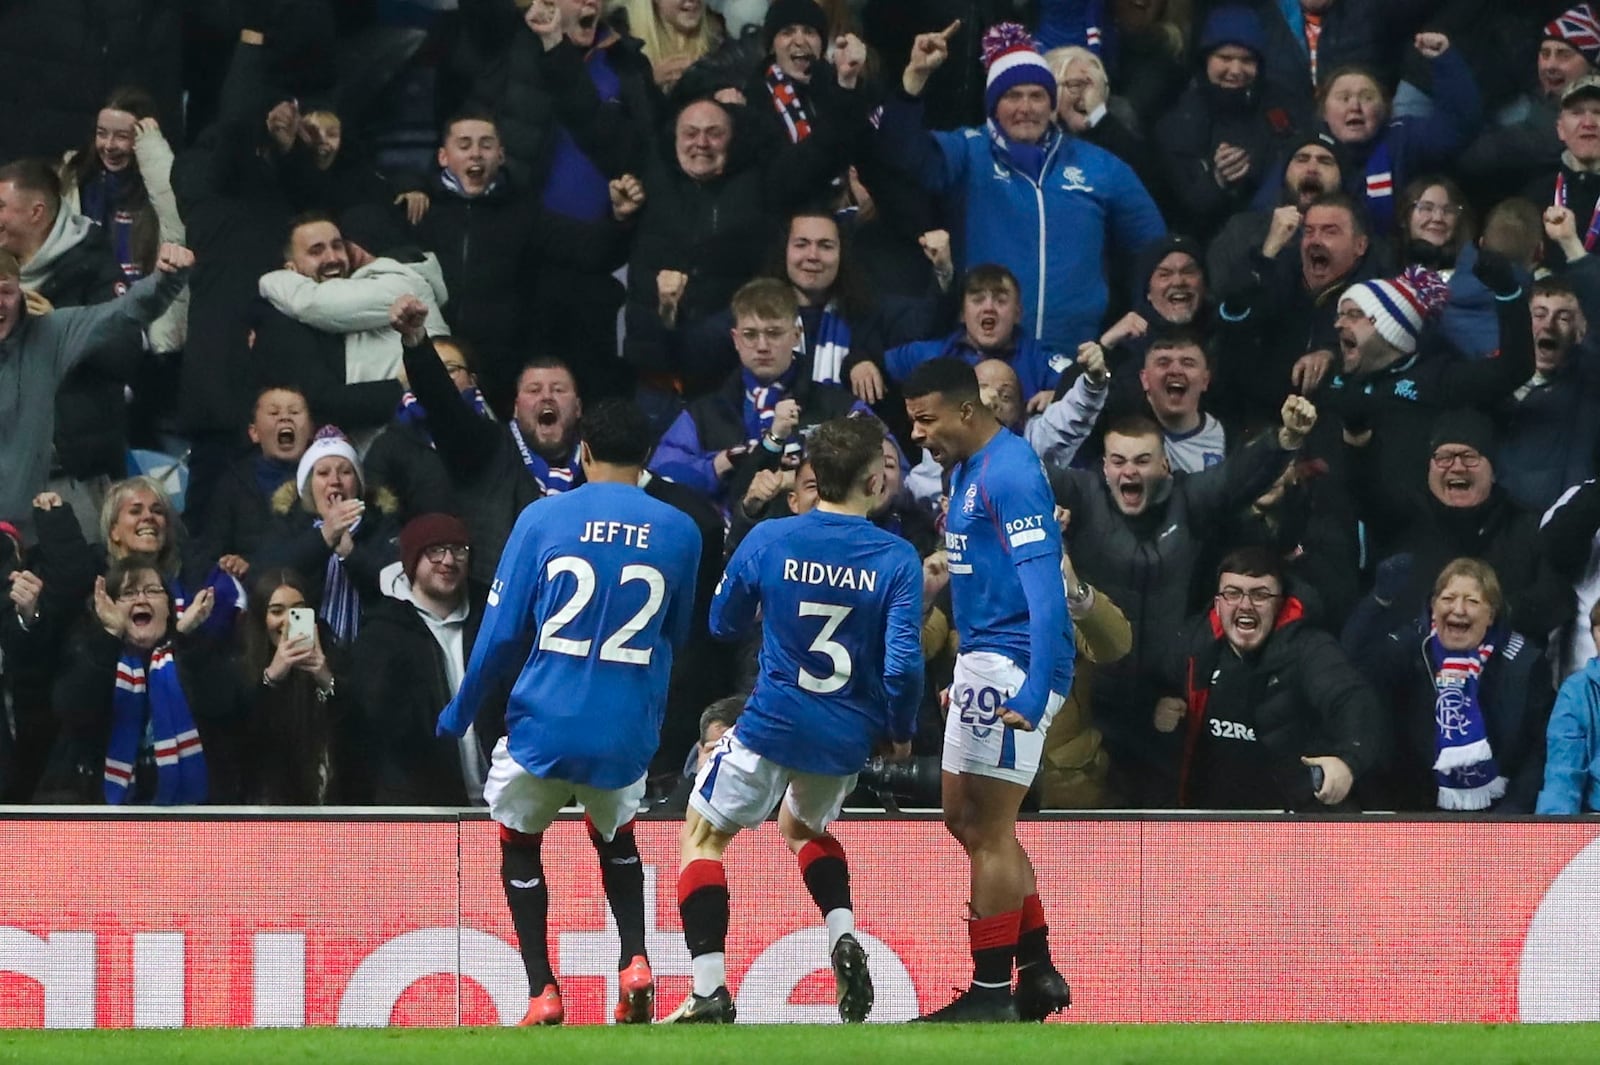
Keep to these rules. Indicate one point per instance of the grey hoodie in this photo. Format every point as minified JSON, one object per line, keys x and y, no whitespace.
{"x":37,"y":355}
{"x":69,"y":231}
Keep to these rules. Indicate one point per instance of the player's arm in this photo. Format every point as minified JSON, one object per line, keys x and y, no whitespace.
{"x":903,"y":670}
{"x":1026,"y":513}
{"x":502,"y":638}
{"x":680,"y":611}
{"x":733,"y":608}
{"x":1047,"y":620}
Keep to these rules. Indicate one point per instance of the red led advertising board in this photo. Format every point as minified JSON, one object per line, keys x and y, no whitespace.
{"x":260,"y":922}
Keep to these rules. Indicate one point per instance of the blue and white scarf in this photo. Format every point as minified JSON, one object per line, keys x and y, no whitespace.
{"x":761,"y":401}
{"x":452,"y":184}
{"x":153,"y":701}
{"x":413,"y":414}
{"x":102,"y":200}
{"x":1380,"y":184}
{"x":551,"y":479}
{"x":1027,"y":159}
{"x":1464,"y":769}
{"x":832,"y":347}
{"x":340,"y":606}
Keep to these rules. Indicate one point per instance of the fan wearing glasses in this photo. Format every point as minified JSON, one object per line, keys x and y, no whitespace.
{"x":1464,"y":513}
{"x":1275,"y":716}
{"x":407,"y":662}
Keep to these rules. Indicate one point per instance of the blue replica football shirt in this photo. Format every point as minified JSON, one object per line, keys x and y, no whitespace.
{"x":1003,"y":515}
{"x":841,"y":650}
{"x":594,"y":594}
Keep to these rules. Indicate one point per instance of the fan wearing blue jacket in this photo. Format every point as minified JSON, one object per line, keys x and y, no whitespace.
{"x":1036,"y":199}
{"x":990,"y":311}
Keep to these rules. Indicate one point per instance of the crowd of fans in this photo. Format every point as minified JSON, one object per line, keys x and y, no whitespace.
{"x":1169,"y":234}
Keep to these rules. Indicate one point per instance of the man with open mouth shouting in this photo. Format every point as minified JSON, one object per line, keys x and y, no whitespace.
{"x":1548,"y":439}
{"x":1387,"y":387}
{"x":1138,"y":532}
{"x":1285,"y":314}
{"x":1274,"y":715}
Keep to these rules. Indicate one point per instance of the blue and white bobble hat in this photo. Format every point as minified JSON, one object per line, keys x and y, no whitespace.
{"x":1012,"y":58}
{"x":1399,"y":305}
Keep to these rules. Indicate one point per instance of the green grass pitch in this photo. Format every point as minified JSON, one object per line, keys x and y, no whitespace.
{"x":1279,"y":1044}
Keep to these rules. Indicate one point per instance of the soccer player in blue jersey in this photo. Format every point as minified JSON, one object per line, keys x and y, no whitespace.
{"x":840,"y":674}
{"x":1012,"y":674}
{"x":593,"y":596}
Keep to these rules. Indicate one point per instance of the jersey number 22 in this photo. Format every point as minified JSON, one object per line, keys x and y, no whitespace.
{"x":615,"y":648}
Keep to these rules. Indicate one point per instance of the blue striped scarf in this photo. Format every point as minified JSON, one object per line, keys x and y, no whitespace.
{"x":832,"y":347}
{"x":1465,"y":769}
{"x":761,"y":401}
{"x":413,"y":414}
{"x":1379,"y":183}
{"x":340,"y":606}
{"x":153,"y":701}
{"x":551,"y":479}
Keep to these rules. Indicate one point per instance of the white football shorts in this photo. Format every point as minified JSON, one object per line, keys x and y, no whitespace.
{"x":738,"y":788}
{"x":974,"y":739}
{"x":526,"y":803}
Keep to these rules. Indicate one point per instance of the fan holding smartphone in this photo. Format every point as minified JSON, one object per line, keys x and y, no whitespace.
{"x":298,"y":647}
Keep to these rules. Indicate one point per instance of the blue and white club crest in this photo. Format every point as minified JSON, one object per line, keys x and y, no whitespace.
{"x":1073,"y":180}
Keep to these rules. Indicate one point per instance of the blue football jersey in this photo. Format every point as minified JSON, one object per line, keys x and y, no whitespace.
{"x":1002,"y":515}
{"x":594,"y":594}
{"x":841,"y":647}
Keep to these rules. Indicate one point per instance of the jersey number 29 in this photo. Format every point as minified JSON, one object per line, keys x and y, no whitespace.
{"x":615,"y":648}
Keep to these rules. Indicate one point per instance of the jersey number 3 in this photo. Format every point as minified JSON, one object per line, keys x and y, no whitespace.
{"x":615,"y":648}
{"x":825,"y":644}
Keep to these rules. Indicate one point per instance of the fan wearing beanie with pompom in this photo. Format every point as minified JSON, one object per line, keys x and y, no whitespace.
{"x":1035,"y":199}
{"x":1390,"y":387}
{"x":333,"y":529}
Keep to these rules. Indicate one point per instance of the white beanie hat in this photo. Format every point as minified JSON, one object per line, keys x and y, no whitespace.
{"x":330,"y":440}
{"x":1399,"y":305}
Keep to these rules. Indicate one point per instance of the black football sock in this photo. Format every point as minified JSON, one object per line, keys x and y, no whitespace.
{"x":528,"y":896}
{"x":622,"y":875}
{"x":703,"y":906}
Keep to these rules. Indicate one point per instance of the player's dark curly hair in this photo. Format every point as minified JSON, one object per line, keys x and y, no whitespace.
{"x":617,"y":432}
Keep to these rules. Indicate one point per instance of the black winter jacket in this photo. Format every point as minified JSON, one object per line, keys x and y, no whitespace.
{"x":491,"y":483}
{"x":83,"y":704}
{"x":1255,"y":119}
{"x":294,"y":355}
{"x":399,"y":679}
{"x":1514,"y":693}
{"x":236,"y":212}
{"x":490,"y":249}
{"x":240,"y":517}
{"x":1306,"y":700}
